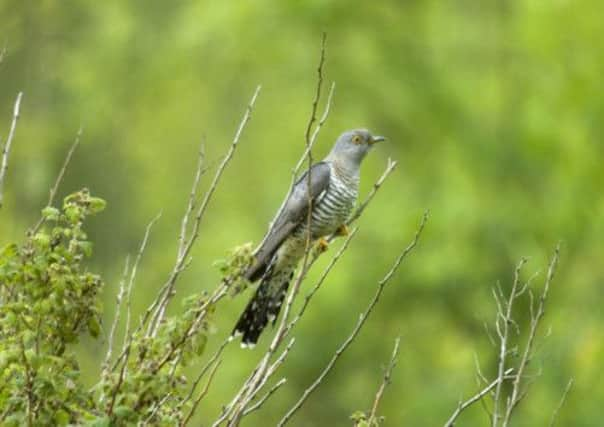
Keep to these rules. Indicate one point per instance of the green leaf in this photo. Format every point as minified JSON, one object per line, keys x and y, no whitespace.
{"x":101,"y":422}
{"x":96,"y":205}
{"x":50,"y":213}
{"x":61,"y":417}
{"x":123,"y":411}
{"x":94,"y":327}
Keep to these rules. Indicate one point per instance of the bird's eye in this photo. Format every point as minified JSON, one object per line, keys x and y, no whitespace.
{"x":356,"y":139}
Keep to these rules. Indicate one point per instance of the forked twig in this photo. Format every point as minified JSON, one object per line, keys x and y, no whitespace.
{"x":362,"y":319}
{"x":478,"y":396}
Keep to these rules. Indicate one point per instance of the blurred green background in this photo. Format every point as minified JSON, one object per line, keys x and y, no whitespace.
{"x":493,"y":109}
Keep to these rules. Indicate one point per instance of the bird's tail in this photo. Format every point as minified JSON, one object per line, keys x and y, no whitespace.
{"x":264,"y":306}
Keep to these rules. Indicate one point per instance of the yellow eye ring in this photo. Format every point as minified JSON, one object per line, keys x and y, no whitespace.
{"x":356,"y":139}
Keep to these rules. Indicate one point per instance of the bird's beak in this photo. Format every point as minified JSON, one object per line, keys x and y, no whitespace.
{"x":375,"y":139}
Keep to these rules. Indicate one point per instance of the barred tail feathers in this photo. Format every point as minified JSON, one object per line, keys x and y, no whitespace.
{"x":264,"y":306}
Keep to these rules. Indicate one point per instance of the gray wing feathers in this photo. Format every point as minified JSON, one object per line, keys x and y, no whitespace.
{"x":295,"y":210}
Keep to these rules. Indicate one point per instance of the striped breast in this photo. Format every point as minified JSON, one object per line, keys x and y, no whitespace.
{"x":333,"y":208}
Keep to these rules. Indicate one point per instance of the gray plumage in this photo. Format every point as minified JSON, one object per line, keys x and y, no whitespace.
{"x":334,"y":186}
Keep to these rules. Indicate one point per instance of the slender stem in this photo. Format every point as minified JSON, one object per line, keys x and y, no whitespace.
{"x":554,"y":418}
{"x":516,"y":394}
{"x":478,"y":396}
{"x":166,"y":293}
{"x":53,"y":191}
{"x":502,"y":323}
{"x":7,"y":144}
{"x":362,"y":319}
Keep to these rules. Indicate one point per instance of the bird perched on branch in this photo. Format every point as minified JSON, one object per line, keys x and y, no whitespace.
{"x":331,"y":192}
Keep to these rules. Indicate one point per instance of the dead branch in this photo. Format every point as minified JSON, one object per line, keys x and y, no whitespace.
{"x":55,"y":187}
{"x":7,"y":144}
{"x":536,"y":316}
{"x":478,"y":396}
{"x":362,"y":319}
{"x":116,"y":317}
{"x":167,"y":290}
{"x":554,"y":418}
{"x":385,"y":382}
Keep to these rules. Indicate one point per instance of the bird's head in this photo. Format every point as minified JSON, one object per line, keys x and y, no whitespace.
{"x":352,"y":146}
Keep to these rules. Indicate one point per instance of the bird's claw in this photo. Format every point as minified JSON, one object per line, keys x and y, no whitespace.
{"x":342,"y":230}
{"x":322,"y":245}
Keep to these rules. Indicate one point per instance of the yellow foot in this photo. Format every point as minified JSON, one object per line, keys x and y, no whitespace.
{"x":322,"y":245}
{"x":342,"y":230}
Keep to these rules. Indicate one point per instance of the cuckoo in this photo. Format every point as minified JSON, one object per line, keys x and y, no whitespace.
{"x":334,"y":184}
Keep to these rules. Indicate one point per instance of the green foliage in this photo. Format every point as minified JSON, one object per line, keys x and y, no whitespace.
{"x":232,"y":267}
{"x":150,"y":370}
{"x":361,"y":419}
{"x":47,"y":300}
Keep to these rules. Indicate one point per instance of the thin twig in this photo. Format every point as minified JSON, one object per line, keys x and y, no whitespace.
{"x":562,"y":400}
{"x":191,"y":205}
{"x":202,"y":394}
{"x":167,"y":291}
{"x":7,"y":144}
{"x":116,"y":317}
{"x":53,"y":191}
{"x":127,"y":335}
{"x":204,"y":370}
{"x":309,"y":138}
{"x":385,"y":382}
{"x":502,"y":322}
{"x":264,"y":398}
{"x":324,"y":275}
{"x":516,"y":394}
{"x":478,"y":396}
{"x":362,"y":319}
{"x":260,"y":375}
{"x":156,"y":408}
{"x":181,"y":239}
{"x":359,"y":211}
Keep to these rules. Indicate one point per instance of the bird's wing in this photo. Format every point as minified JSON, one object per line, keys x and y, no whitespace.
{"x":294,"y":212}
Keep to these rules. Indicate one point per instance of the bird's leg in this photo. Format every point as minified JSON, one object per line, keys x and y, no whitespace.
{"x":342,"y":230}
{"x":322,"y":245}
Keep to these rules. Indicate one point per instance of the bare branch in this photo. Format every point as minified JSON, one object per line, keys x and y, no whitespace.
{"x":7,"y":144}
{"x":359,"y":325}
{"x":180,"y":256}
{"x":264,"y":398}
{"x":562,"y":400}
{"x":204,"y":370}
{"x":359,"y":211}
{"x":202,"y":394}
{"x":385,"y":382}
{"x":260,"y":375}
{"x":502,"y":322}
{"x":116,"y":317}
{"x":327,"y":270}
{"x":191,"y":205}
{"x":313,"y":115}
{"x":55,"y":187}
{"x":127,"y":335}
{"x":516,"y":394}
{"x":310,"y":138}
{"x":167,"y":290}
{"x":156,"y":408}
{"x":478,"y":396}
